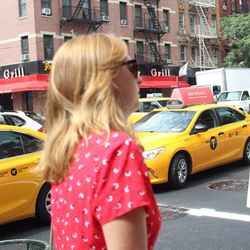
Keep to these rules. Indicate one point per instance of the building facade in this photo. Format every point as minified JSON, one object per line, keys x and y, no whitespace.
{"x":162,"y":35}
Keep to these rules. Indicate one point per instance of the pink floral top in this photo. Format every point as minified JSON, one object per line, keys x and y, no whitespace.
{"x":107,"y":180}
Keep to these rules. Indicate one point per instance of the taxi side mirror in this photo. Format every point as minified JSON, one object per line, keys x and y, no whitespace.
{"x":198,"y":128}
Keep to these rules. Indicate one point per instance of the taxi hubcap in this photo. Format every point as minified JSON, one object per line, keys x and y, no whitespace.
{"x":47,"y":202}
{"x":248,"y":151}
{"x":182,"y":170}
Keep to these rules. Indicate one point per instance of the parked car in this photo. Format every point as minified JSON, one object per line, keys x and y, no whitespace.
{"x":23,"y":194}
{"x":182,"y":140}
{"x":147,"y":105}
{"x":24,"y":119}
{"x":239,"y":98}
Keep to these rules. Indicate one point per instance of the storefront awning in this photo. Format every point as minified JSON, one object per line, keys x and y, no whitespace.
{"x":25,"y":83}
{"x":163,"y":82}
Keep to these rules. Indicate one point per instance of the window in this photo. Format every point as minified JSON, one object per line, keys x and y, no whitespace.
{"x":194,"y":52}
{"x":46,"y":7}
{"x":104,"y":7}
{"x":192,"y":23}
{"x":22,"y":8}
{"x":25,"y":45}
{"x":67,"y":8}
{"x":48,"y":47}
{"x":46,"y":4}
{"x":138,"y":16}
{"x":224,"y":5}
{"x":207,"y":118}
{"x":15,"y":144}
{"x":123,"y":13}
{"x":168,"y":53}
{"x":183,"y":50}
{"x":139,"y":52}
{"x":153,"y":48}
{"x":245,"y":95}
{"x":213,"y":24}
{"x":181,"y":22}
{"x":166,"y":20}
{"x":234,"y":6}
{"x":215,"y":53}
{"x":14,"y":120}
{"x":228,"y":115}
{"x":86,"y":9}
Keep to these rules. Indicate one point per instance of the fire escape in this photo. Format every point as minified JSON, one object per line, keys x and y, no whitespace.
{"x":204,"y":32}
{"x":150,"y":27}
{"x":78,"y":14}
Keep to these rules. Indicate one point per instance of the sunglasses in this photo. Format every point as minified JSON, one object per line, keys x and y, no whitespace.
{"x":132,"y":67}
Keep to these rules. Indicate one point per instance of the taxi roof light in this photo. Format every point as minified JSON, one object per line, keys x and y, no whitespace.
{"x":193,"y":96}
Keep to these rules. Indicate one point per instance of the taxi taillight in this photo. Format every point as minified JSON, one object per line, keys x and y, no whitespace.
{"x":41,"y":129}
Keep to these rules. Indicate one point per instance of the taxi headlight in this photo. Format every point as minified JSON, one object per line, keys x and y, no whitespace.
{"x":151,"y":154}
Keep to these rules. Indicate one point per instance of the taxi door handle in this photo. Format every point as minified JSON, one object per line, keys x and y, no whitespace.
{"x":244,"y":126}
{"x":221,"y":133}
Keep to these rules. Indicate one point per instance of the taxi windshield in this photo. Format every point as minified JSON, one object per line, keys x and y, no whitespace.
{"x":165,"y":121}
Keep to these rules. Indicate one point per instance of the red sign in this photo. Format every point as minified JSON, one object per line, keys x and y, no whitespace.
{"x":193,"y":95}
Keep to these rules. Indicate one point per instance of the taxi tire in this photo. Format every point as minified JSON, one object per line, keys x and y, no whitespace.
{"x":42,"y":214}
{"x":246,"y":153}
{"x":174,"y":180}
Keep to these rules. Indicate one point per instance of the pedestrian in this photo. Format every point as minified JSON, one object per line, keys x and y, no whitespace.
{"x":101,"y":197}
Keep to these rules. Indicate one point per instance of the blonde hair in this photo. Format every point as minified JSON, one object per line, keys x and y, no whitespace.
{"x":81,"y":98}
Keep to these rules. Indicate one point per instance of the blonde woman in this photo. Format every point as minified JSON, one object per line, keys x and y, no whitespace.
{"x":101,"y":196}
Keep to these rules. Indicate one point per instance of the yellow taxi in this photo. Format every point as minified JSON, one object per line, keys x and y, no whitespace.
{"x":182,"y":139}
{"x":147,"y":105}
{"x":22,"y":193}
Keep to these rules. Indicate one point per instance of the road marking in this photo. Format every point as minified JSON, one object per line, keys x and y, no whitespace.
{"x":211,"y":213}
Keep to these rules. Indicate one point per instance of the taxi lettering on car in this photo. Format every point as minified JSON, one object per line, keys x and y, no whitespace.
{"x":192,"y":134}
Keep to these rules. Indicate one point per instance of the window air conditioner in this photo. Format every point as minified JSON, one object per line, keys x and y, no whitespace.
{"x":165,"y":28}
{"x":169,"y":61}
{"x":123,"y":22}
{"x":46,"y":11}
{"x":25,"y":57}
{"x":105,"y":18}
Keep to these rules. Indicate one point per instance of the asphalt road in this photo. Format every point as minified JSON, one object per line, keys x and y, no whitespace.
{"x":195,"y":217}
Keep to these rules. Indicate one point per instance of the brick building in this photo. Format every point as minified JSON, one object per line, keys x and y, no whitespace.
{"x":228,"y":8}
{"x":162,"y":35}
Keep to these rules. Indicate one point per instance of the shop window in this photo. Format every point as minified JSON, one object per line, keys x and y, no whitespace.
{"x":22,"y":8}
{"x":123,"y":13}
{"x":48,"y":47}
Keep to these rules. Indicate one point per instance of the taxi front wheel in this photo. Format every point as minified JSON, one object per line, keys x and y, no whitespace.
{"x":246,"y":154}
{"x":178,"y":172}
{"x":43,"y":205}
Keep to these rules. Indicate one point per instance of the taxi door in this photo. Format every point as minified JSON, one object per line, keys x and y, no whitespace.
{"x":235,"y":131}
{"x":208,"y":146}
{"x":18,"y":185}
